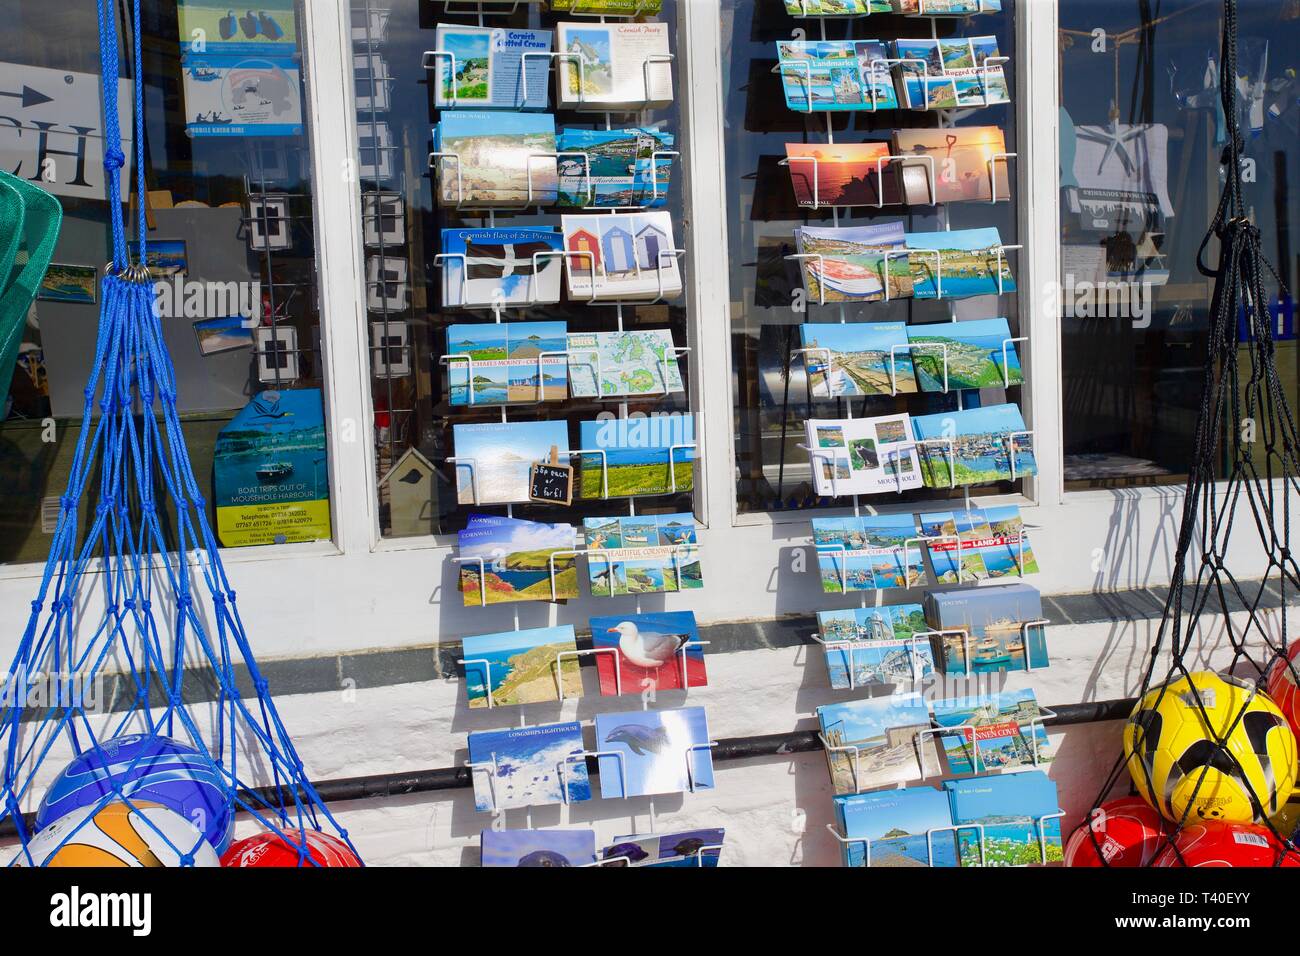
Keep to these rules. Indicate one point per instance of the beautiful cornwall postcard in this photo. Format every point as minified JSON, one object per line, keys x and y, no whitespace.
{"x":868,"y":553}
{"x":495,"y":158}
{"x":485,"y":68}
{"x":862,"y":456}
{"x":1002,"y":731}
{"x":630,"y":363}
{"x":876,"y":645}
{"x":625,"y":457}
{"x":665,"y":850}
{"x":538,"y":847}
{"x":500,"y":363}
{"x":654,"y":751}
{"x":974,"y":446}
{"x":658,"y":650}
{"x":977,"y":544}
{"x":1011,"y":809}
{"x":857,"y":358}
{"x":516,"y":560}
{"x":904,"y":827}
{"x":994,"y":628}
{"x":873,"y":742}
{"x":645,"y":554}
{"x":493,"y":459}
{"x":521,"y":667}
{"x":528,"y":766}
{"x":501,"y":267}
{"x":849,"y":264}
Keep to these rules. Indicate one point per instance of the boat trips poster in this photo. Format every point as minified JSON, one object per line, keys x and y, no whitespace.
{"x":271,"y":473}
{"x":520,"y":667}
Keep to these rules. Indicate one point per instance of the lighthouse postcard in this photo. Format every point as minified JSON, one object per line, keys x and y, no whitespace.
{"x":652,"y":651}
{"x":646,"y":752}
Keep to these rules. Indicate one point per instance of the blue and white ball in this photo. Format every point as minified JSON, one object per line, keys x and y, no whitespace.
{"x":145,"y":767}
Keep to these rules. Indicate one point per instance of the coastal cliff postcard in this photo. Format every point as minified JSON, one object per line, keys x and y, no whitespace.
{"x":621,"y":256}
{"x":629,"y":363}
{"x":656,"y":751}
{"x":848,"y":264}
{"x":655,"y":651}
{"x":538,"y":847}
{"x":520,"y":667}
{"x":833,"y":75}
{"x":867,"y":553}
{"x":879,"y":740}
{"x":983,"y":441}
{"x":847,"y":174}
{"x":862,"y":456}
{"x":646,"y":554}
{"x":972,"y":353}
{"x":493,"y":459}
{"x":965,"y":159}
{"x":485,"y":68}
{"x":623,"y":457}
{"x":834,"y":8}
{"x":857,"y":358}
{"x":495,"y":158}
{"x":517,"y":560}
{"x":501,"y":267}
{"x":992,"y":732}
{"x":991,"y":621}
{"x":991,"y":543}
{"x":528,"y":766}
{"x":884,"y":645}
{"x":500,"y":363}
{"x":665,"y":850}
{"x":1009,"y":808}
{"x":624,"y":66}
{"x":968,"y":263}
{"x":617,"y":167}
{"x":899,"y":825}
{"x":959,"y":72}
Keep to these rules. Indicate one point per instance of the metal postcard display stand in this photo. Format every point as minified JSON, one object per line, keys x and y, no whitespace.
{"x":447,"y":164}
{"x":882,"y":67}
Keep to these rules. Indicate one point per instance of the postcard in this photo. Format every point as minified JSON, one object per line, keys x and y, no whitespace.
{"x":835,"y":75}
{"x":613,"y":66}
{"x":507,"y":362}
{"x":520,"y":667}
{"x":642,"y":555}
{"x":873,"y":742}
{"x":658,"y":651}
{"x":900,"y":826}
{"x":857,"y":358}
{"x":164,"y":257}
{"x":841,"y":175}
{"x":1011,"y":809}
{"x":868,"y":553}
{"x":664,"y":850}
{"x":958,"y":72}
{"x":848,"y":264}
{"x":223,"y":335}
{"x":625,"y":457}
{"x":528,"y":766}
{"x":974,"y":446}
{"x":519,"y":561}
{"x":493,"y":458}
{"x":69,"y":283}
{"x":945,"y":8}
{"x":615,"y":167}
{"x":485,"y":68}
{"x":963,"y":162}
{"x":655,"y":751}
{"x":1001,"y":731}
{"x":834,"y":8}
{"x":629,"y":363}
{"x":495,"y":158}
{"x":501,"y":267}
{"x":964,"y":262}
{"x":862,"y":456}
{"x":973,"y":353}
{"x":538,"y":847}
{"x":607,"y":7}
{"x":992,"y":622}
{"x":236,"y":95}
{"x":622,"y":256}
{"x":990,"y":543}
{"x":884,"y":645}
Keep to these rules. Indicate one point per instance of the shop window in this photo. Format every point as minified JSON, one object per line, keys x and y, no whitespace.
{"x":1141,"y":138}
{"x":230,"y":240}
{"x":482,"y":309}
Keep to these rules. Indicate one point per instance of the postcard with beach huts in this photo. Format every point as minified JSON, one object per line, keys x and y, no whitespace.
{"x":857,"y":358}
{"x":501,"y":363}
{"x":625,"y":256}
{"x":521,"y":667}
{"x":874,"y":742}
{"x":892,"y":828}
{"x":538,"y":847}
{"x":658,"y":650}
{"x":1011,"y":810}
{"x":528,"y":766}
{"x":654,"y":751}
{"x":974,"y":446}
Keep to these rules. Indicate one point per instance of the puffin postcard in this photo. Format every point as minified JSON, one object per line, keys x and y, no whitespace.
{"x":662,"y":850}
{"x":654,"y":751}
{"x":655,"y":651}
{"x":538,"y":847}
{"x":528,"y":766}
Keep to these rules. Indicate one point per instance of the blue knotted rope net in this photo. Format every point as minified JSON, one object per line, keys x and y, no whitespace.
{"x":115,"y":601}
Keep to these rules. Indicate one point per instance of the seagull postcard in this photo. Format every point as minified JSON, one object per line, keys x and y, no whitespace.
{"x":528,"y":766}
{"x":653,"y":751}
{"x":658,"y":651}
{"x":538,"y":847}
{"x":521,"y":667}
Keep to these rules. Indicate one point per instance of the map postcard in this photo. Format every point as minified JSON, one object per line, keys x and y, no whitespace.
{"x":538,"y":847}
{"x":625,"y":457}
{"x":974,"y":446}
{"x":624,"y":66}
{"x":993,"y":544}
{"x":657,"y":650}
{"x":511,"y":362}
{"x":992,"y":622}
{"x":959,"y":72}
{"x":618,"y":167}
{"x":493,"y":158}
{"x":873,"y":742}
{"x":993,"y":732}
{"x":833,"y":75}
{"x":848,"y":264}
{"x":493,"y":459}
{"x":630,"y":363}
{"x":973,"y":353}
{"x":516,"y":561}
{"x":622,"y":256}
{"x":1011,"y":809}
{"x":665,"y":850}
{"x":658,"y":751}
{"x":501,"y":267}
{"x":521,"y":667}
{"x":845,"y":174}
{"x":862,"y":456}
{"x":966,"y":161}
{"x":642,"y":555}
{"x":484,"y":68}
{"x":868,"y":553}
{"x":857,"y":358}
{"x":884,"y":645}
{"x":968,"y":263}
{"x":898,"y":825}
{"x":528,"y":766}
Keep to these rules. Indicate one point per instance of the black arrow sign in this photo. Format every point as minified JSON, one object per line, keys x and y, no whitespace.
{"x":29,"y":97}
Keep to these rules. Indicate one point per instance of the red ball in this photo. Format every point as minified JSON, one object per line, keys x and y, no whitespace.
{"x":1123,"y":832}
{"x":271,"y":849}
{"x":1224,"y":843}
{"x":1280,"y":684}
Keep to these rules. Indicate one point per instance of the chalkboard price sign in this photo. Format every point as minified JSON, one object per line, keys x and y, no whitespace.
{"x":551,"y":482}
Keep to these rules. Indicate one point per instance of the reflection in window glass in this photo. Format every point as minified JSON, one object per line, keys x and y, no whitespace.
{"x":229,"y":209}
{"x":1141,"y":136}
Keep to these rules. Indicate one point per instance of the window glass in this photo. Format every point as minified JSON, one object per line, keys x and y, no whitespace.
{"x":772,"y":128}
{"x":1141,"y":138}
{"x":230,"y":240}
